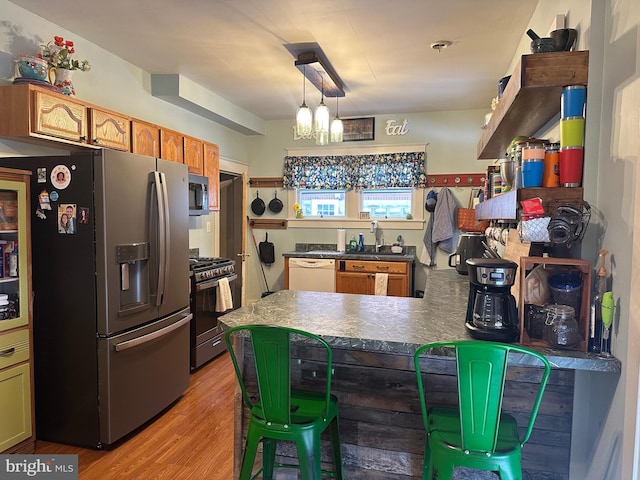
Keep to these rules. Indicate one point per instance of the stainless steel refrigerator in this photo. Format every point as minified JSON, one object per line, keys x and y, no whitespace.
{"x":110,"y":292}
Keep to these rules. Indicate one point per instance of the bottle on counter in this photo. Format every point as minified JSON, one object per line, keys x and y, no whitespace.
{"x":353,"y":245}
{"x":595,"y":320}
{"x":361,"y":243}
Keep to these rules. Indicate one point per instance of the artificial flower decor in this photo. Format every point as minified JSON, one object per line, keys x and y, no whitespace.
{"x":58,"y":54}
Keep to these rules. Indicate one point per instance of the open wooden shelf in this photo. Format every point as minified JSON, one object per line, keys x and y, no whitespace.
{"x":531,"y":98}
{"x":505,"y":206}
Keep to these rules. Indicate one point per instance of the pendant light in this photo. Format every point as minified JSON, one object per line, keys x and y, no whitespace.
{"x":322,"y":121}
{"x":337,"y":127}
{"x":303,"y":116}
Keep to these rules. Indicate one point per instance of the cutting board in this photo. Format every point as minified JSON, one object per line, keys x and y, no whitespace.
{"x":514,"y":249}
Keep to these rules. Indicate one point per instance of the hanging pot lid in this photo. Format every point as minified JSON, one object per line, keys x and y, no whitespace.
{"x":258,"y":206}
{"x":275,"y":205}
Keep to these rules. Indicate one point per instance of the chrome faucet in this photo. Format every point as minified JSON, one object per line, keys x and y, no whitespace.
{"x":377,"y":231}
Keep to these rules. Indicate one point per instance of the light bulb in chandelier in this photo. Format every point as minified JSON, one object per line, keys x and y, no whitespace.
{"x":337,"y":127}
{"x":304,"y":120}
{"x":322,"y":119}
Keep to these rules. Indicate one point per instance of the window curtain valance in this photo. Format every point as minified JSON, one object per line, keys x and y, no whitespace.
{"x":337,"y":172}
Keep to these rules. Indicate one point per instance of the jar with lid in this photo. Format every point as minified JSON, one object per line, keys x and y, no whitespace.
{"x":561,"y":329}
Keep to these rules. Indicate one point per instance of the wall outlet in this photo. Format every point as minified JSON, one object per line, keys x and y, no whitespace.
{"x":208,"y":226}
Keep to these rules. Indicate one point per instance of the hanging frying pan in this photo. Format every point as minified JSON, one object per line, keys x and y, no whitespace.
{"x":275,"y":205}
{"x":257,"y":206}
{"x":267,"y":251}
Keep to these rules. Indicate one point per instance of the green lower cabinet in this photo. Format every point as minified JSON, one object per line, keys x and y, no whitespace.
{"x":15,"y":405}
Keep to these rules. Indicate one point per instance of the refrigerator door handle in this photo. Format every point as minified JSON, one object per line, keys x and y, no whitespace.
{"x":160,"y":202}
{"x":152,"y":336}
{"x":167,"y":235}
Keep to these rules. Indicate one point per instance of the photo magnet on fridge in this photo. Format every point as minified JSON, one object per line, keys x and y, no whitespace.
{"x":67,"y":218}
{"x":42,"y":175}
{"x":60,"y":176}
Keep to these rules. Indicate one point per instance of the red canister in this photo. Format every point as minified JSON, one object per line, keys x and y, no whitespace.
{"x":571,"y":162}
{"x":551,"y":173}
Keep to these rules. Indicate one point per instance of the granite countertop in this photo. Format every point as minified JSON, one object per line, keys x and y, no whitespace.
{"x":330,"y":251}
{"x":390,"y":324}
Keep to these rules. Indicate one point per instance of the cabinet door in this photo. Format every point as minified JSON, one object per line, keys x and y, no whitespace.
{"x":171,"y":146}
{"x":193,"y":153}
{"x":349,"y":282}
{"x":15,"y":405}
{"x":212,"y":170}
{"x":145,"y":138}
{"x":64,"y":118}
{"x":14,"y":253}
{"x":110,"y":130}
{"x":398,"y":286}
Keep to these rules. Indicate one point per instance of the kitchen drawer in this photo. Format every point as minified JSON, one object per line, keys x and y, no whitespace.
{"x":14,"y":348}
{"x":375,"y":267}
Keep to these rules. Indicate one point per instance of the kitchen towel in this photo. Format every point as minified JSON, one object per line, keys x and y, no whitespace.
{"x":428,"y":252}
{"x":224,"y":301}
{"x":382,"y":280}
{"x":444,"y":224}
{"x":342,"y":240}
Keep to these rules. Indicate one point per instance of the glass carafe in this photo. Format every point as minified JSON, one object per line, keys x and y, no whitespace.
{"x":488,"y":310}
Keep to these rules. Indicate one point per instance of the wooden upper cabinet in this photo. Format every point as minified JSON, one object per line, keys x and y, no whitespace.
{"x":59,"y":116}
{"x":145,"y":138}
{"x":212,"y":170}
{"x":171,"y":146}
{"x":193,"y":154}
{"x":110,"y":130}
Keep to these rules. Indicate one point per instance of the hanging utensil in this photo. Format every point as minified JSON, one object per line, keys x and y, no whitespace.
{"x":275,"y":205}
{"x":257,"y":206}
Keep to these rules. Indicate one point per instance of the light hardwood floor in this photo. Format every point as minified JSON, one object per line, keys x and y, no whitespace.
{"x":192,"y":440}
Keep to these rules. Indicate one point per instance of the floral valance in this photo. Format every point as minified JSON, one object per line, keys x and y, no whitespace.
{"x":334,"y":172}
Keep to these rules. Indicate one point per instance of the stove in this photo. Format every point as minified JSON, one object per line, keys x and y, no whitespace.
{"x":206,"y":268}
{"x":206,"y":332}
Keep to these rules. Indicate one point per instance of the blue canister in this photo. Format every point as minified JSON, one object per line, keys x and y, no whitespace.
{"x":361,"y":243}
{"x":573,"y":101}
{"x":532,"y":170}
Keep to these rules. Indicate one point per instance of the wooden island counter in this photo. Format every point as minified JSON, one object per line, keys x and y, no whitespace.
{"x":373,"y":339}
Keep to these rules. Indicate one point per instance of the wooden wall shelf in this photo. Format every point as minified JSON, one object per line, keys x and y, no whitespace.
{"x":456,"y":180}
{"x":268,"y":223}
{"x":531,"y":98}
{"x":263,"y":182}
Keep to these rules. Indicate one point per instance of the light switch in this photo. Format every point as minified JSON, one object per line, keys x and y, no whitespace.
{"x":208,"y":226}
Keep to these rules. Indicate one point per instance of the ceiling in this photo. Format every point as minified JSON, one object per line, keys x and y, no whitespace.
{"x":381,"y":49}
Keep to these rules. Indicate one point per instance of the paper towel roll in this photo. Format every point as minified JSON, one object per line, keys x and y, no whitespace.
{"x":342,"y":238}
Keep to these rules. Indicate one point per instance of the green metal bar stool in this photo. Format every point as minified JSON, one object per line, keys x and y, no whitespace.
{"x":283,"y":413}
{"x":476,"y":434}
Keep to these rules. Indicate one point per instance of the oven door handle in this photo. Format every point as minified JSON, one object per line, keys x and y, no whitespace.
{"x":152,"y":336}
{"x":213,"y":282}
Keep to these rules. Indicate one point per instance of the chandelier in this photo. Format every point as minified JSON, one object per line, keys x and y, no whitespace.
{"x":325,"y":80}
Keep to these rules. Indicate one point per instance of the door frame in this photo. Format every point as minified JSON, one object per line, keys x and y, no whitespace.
{"x":233,"y":167}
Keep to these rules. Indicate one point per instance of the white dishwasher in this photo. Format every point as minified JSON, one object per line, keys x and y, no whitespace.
{"x":313,"y":274}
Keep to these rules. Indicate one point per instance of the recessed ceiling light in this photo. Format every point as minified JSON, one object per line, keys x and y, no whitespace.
{"x":440,"y":44}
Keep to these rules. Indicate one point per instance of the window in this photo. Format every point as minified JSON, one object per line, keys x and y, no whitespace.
{"x":322,"y":203}
{"x":387,"y":202}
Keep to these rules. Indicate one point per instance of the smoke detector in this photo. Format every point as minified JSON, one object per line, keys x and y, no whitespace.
{"x":441,"y":44}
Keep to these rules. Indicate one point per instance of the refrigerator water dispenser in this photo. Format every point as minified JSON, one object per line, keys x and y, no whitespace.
{"x":133,"y":259}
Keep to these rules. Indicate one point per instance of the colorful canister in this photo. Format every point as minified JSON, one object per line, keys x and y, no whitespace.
{"x":572,"y":132}
{"x":571,"y":162}
{"x":532,"y":172}
{"x":533,"y":151}
{"x":573,"y":101}
{"x":551,"y":171}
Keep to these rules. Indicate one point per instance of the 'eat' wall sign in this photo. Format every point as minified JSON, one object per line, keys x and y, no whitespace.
{"x":394,"y":128}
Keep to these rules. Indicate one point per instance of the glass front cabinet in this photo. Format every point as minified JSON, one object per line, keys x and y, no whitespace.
{"x":17,"y":432}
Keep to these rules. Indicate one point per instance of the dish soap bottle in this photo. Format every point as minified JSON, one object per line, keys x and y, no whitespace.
{"x":353,"y":245}
{"x":595,"y":321}
{"x":361,"y":243}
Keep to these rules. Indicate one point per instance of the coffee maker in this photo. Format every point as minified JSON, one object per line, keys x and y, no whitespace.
{"x":491,"y":311}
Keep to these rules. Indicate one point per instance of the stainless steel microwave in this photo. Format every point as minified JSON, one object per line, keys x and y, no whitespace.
{"x":198,"y":195}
